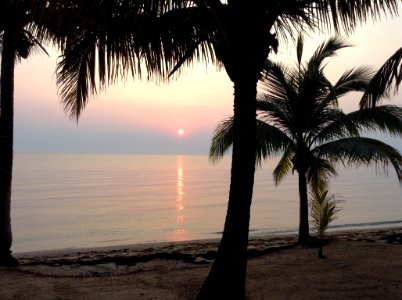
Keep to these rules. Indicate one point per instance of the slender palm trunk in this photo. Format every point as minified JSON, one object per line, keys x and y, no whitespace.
{"x":6,"y":144}
{"x":304,"y":235}
{"x":320,"y":246}
{"x":226,"y":279}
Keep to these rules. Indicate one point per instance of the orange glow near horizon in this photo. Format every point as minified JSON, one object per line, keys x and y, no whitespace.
{"x":131,"y":103}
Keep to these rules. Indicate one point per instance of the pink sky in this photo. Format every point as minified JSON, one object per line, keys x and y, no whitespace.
{"x":143,"y":117}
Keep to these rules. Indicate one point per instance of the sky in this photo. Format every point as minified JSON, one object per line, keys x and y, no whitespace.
{"x":135,"y":116}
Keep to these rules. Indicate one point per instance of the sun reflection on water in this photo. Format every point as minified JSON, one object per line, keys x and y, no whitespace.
{"x":180,"y":233}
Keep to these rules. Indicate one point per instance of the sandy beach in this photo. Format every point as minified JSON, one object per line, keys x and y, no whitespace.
{"x":363,"y":264}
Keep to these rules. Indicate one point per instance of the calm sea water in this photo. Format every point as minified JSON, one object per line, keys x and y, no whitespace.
{"x":74,"y":201}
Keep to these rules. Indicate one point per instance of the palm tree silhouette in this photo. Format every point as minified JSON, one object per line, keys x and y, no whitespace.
{"x":111,"y":38}
{"x":299,"y":116}
{"x":17,"y":41}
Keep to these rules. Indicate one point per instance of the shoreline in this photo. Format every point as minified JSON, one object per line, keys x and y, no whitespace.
{"x":273,"y":240}
{"x":359,"y":264}
{"x":332,"y":230}
{"x":191,"y":252}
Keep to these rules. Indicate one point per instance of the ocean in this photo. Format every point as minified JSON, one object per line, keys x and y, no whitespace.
{"x":67,"y":201}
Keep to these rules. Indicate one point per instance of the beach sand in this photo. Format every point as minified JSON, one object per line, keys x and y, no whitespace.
{"x":363,"y":264}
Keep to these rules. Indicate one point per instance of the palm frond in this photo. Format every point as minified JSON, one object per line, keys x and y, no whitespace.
{"x":333,"y":14}
{"x":323,"y":210}
{"x":284,"y":166}
{"x":127,"y":37}
{"x":275,"y":112}
{"x":326,"y":50}
{"x":185,"y":35}
{"x":279,"y":85}
{"x":319,"y":173}
{"x":384,"y":118}
{"x":221,"y":140}
{"x":76,"y":75}
{"x":278,"y":81}
{"x":388,"y":75}
{"x":337,"y":125}
{"x":290,"y":18}
{"x":346,"y":15}
{"x":355,"y":80}
{"x":270,"y":141}
{"x":362,"y":150}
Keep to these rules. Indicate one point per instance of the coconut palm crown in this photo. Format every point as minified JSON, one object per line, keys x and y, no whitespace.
{"x":299,"y":117}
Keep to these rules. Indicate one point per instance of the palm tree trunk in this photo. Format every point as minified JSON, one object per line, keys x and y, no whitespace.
{"x":320,"y":254}
{"x":304,"y":235}
{"x":226,"y":279}
{"x":6,"y":144}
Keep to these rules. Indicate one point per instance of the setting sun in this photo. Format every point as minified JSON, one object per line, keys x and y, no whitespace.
{"x":180,"y":131}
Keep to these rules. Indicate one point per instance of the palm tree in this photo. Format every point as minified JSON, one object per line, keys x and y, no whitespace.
{"x":17,"y":42}
{"x":299,"y":116}
{"x":323,"y":209}
{"x":389,"y":74}
{"x":161,"y":36}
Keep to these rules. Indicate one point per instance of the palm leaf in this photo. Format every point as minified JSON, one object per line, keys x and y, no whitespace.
{"x":384,"y":118}
{"x":270,"y":141}
{"x":323,"y":210}
{"x":326,"y":50}
{"x":280,"y":86}
{"x":346,"y":15}
{"x":76,"y":75}
{"x":284,"y":166}
{"x":355,"y":80}
{"x":275,"y":112}
{"x":336,"y":124}
{"x":319,"y":173}
{"x":130,"y":37}
{"x":362,"y":150}
{"x":390,"y":73}
{"x":221,"y":140}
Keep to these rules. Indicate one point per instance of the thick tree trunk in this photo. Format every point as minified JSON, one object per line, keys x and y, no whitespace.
{"x":6,"y":144}
{"x":244,"y":47}
{"x":226,"y":279}
{"x":304,"y":235}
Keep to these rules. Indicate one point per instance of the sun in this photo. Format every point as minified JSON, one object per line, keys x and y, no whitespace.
{"x":180,"y":131}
